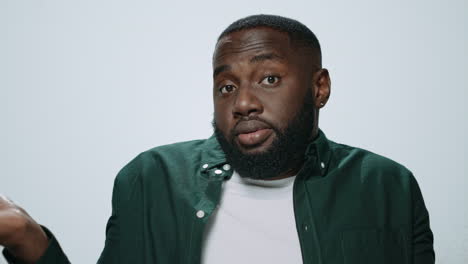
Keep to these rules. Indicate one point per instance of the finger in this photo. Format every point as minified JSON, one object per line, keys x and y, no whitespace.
{"x":5,"y":202}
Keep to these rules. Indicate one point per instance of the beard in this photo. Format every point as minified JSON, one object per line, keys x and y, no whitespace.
{"x":286,"y":152}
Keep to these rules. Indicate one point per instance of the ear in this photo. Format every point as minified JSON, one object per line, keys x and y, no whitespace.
{"x":322,"y":87}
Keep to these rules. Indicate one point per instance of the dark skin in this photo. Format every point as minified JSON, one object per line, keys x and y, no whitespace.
{"x":23,"y":237}
{"x":260,"y":73}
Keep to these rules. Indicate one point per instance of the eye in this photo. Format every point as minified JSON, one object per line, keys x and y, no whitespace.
{"x":271,"y":79}
{"x":226,"y":89}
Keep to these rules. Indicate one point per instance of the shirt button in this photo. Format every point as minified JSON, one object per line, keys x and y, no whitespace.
{"x":200,"y":214}
{"x":226,"y":167}
{"x":322,"y":165}
{"x":306,"y":228}
{"x":205,"y":166}
{"x":218,"y":171}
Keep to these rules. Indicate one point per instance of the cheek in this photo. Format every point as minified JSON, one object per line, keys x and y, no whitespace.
{"x":283,"y":107}
{"x":223,"y":119}
{"x":278,"y":113}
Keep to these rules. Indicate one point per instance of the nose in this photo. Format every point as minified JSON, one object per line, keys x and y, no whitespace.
{"x":246,"y":103}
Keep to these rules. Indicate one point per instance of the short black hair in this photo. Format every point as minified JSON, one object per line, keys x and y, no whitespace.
{"x":298,"y":32}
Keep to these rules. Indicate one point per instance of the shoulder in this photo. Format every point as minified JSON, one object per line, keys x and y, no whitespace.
{"x":175,"y":152}
{"x":369,"y":164}
{"x":156,"y":162}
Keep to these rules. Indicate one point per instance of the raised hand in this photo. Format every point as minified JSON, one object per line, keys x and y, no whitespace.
{"x":19,"y":233}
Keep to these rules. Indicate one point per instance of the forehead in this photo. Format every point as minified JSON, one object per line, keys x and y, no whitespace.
{"x":252,"y":41}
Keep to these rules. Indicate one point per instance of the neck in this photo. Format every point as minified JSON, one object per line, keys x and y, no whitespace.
{"x":295,"y":168}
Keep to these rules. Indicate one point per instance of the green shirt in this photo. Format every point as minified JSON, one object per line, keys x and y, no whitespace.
{"x":350,"y":205}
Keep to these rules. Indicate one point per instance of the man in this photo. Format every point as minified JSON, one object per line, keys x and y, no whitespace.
{"x":267,"y":187}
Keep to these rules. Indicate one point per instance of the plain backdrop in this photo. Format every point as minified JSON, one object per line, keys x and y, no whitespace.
{"x":87,"y":85}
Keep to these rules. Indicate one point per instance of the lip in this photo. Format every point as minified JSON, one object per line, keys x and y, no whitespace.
{"x":252,"y":133}
{"x":250,"y":126}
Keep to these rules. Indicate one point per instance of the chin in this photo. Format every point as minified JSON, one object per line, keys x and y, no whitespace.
{"x":254,"y":151}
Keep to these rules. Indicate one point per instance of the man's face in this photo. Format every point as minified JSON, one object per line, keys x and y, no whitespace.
{"x":262,"y":91}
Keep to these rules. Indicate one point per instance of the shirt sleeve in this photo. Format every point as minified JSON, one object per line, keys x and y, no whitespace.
{"x":110,"y":253}
{"x":423,"y":239}
{"x":53,"y":254}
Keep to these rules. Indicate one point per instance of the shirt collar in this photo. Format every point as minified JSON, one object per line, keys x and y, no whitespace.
{"x":318,"y":153}
{"x":212,"y":154}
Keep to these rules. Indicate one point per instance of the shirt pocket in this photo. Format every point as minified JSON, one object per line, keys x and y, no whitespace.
{"x":375,"y":246}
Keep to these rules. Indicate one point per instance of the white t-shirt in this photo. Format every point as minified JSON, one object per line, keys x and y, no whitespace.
{"x":254,"y":223}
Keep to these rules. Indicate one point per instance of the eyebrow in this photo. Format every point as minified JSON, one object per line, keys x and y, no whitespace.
{"x":220,"y":69}
{"x":254,"y":59}
{"x":266,"y":56}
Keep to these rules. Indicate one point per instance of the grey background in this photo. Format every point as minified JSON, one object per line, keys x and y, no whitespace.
{"x":87,"y":85}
